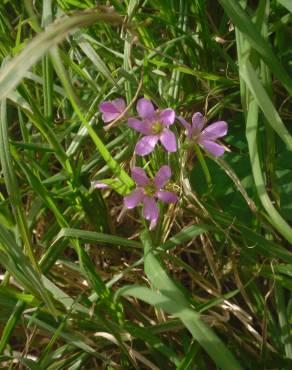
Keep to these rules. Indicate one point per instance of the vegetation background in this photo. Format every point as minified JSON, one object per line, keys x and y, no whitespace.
{"x":86,"y":287}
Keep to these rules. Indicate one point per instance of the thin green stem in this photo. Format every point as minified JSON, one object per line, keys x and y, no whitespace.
{"x":204,"y":166}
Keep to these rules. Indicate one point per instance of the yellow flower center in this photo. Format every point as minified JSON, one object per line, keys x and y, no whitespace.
{"x":157,"y":127}
{"x":150,"y":189}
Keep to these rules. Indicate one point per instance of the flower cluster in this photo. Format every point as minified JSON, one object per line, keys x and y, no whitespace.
{"x":154,"y":125}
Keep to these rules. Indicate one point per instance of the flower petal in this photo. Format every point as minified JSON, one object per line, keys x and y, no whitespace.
{"x":215,"y":130}
{"x":162,"y":176}
{"x":167,"y":116}
{"x":198,"y":122}
{"x":184,"y":122}
{"x":168,"y":140}
{"x":108,"y":107}
{"x":112,"y":109}
{"x":120,"y":104}
{"x":150,"y":210}
{"x":186,"y":125}
{"x":145,"y":108}
{"x":109,"y":112}
{"x":167,"y":196}
{"x":133,"y":199}
{"x":216,"y":149}
{"x":139,"y":176}
{"x":141,"y":126}
{"x":99,"y":185}
{"x":146,"y":144}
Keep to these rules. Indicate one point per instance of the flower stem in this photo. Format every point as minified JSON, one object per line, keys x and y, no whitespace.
{"x":204,"y":166}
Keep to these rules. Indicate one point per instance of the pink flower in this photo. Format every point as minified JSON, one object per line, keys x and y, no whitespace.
{"x":206,"y":138}
{"x":112,"y":109}
{"x":148,"y":190}
{"x":154,"y":125}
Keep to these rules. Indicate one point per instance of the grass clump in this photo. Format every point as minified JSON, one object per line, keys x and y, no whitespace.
{"x":139,"y":235}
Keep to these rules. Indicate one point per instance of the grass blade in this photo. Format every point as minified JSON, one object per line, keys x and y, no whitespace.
{"x":95,"y":237}
{"x":283,"y":320}
{"x":200,"y":331}
{"x":15,"y":70}
{"x":12,"y":185}
{"x":18,"y":265}
{"x":95,"y":58}
{"x":173,"y":301}
{"x":251,"y":133}
{"x":251,"y":79}
{"x":287,"y":4}
{"x":242,"y":21}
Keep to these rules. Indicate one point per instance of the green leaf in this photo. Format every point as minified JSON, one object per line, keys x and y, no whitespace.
{"x":116,"y":185}
{"x":287,"y":4}
{"x":185,"y":235}
{"x":93,"y":236}
{"x":171,"y":299}
{"x":191,"y":319}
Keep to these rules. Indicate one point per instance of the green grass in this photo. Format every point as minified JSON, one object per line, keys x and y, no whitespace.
{"x":86,"y":285}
